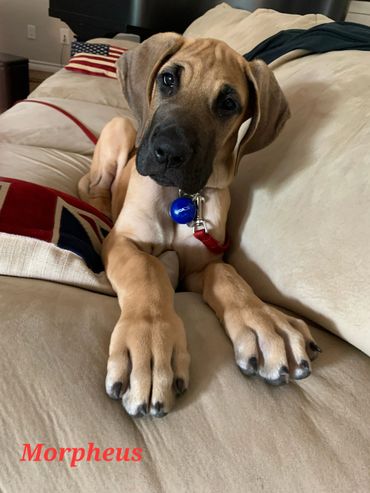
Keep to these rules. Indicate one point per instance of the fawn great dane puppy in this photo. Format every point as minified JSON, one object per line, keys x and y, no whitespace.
{"x":190,"y":98}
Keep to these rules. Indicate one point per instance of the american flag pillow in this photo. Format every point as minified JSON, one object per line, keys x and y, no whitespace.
{"x":94,"y":59}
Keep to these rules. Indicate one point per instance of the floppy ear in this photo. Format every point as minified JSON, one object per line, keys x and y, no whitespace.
{"x":137,"y":69}
{"x":266,"y":105}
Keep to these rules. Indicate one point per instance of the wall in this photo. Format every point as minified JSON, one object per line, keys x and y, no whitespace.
{"x":44,"y":52}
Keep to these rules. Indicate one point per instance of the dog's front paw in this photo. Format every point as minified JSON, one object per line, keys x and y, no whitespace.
{"x":148,"y":364}
{"x":271,"y":344}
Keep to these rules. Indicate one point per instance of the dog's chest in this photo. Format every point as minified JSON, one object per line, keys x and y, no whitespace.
{"x":145,"y":219}
{"x":193,"y":254}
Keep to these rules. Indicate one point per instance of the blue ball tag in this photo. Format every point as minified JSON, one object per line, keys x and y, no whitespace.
{"x":183,"y":210}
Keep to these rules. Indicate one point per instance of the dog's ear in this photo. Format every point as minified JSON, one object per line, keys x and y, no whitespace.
{"x":137,"y":69}
{"x":267,"y":107}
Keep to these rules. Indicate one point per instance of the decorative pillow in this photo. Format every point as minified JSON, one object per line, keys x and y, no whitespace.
{"x":94,"y":59}
{"x":48,"y":234}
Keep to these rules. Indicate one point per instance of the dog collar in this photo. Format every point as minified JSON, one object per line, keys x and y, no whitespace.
{"x":188,"y":209}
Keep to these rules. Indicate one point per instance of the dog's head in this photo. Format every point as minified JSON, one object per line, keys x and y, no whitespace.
{"x":190,"y":98}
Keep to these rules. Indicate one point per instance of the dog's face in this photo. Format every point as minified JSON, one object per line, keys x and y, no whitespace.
{"x":198,"y":103}
{"x":190,"y":98}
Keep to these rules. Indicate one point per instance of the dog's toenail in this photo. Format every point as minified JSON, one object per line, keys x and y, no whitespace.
{"x":282,"y":379}
{"x":284,"y":370}
{"x":315,"y":347}
{"x":302,"y":371}
{"x":158,"y":406}
{"x":116,"y":390}
{"x":179,"y":386}
{"x":142,"y":410}
{"x":252,"y":363}
{"x":159,"y":411}
{"x":250,"y":368}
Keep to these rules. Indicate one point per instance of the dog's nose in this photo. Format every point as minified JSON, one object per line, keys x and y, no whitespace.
{"x":171,"y":144}
{"x":171,"y":154}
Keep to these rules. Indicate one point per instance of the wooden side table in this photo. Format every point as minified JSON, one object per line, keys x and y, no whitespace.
{"x":14,"y":80}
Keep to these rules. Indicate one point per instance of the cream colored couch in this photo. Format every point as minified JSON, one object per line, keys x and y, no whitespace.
{"x":300,"y":230}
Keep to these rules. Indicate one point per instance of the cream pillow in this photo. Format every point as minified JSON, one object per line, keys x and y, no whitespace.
{"x":243,"y":30}
{"x":300,"y":214}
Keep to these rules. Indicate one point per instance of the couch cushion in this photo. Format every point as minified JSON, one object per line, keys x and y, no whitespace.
{"x":226,"y":433}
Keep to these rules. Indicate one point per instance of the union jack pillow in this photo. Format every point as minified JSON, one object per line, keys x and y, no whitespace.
{"x":94,"y":59}
{"x":48,"y":234}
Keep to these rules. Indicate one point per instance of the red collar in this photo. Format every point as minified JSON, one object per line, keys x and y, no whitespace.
{"x":211,"y":243}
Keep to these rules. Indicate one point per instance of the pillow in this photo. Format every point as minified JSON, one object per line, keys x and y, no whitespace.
{"x":47,"y":234}
{"x":94,"y":59}
{"x":300,"y":209}
{"x":243,"y":30}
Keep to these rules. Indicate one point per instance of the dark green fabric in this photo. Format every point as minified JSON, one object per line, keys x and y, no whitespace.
{"x":333,"y":36}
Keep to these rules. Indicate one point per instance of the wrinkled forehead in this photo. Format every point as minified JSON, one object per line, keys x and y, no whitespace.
{"x":210,"y":64}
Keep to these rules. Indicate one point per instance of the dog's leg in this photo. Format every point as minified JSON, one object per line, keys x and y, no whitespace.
{"x":266,"y":341}
{"x":111,"y":154}
{"x":148,"y":359}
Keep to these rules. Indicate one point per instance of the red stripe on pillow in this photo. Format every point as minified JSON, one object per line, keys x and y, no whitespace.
{"x":96,"y":64}
{"x":106,"y":67}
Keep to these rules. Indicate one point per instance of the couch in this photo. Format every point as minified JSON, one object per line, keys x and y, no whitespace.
{"x":300,"y":231}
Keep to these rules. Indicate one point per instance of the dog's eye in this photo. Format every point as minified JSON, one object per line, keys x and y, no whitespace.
{"x":168,"y":79}
{"x":229,"y":105}
{"x":227,"y":102}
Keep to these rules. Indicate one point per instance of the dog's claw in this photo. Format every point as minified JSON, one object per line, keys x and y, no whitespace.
{"x":302,"y":371}
{"x":179,"y":386}
{"x":314,"y":347}
{"x":251,"y":368}
{"x":158,"y":410}
{"x":313,"y":350}
{"x":141,"y":411}
{"x":116,"y":390}
{"x":282,"y":379}
{"x":253,"y":365}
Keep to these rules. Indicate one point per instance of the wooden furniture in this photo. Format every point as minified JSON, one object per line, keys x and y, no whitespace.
{"x":14,"y":81}
{"x":93,"y":18}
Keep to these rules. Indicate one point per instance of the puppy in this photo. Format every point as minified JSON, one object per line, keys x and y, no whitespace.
{"x":192,"y":100}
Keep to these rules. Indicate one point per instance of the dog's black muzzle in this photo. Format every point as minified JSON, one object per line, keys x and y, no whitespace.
{"x":171,"y":146}
{"x":171,"y":154}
